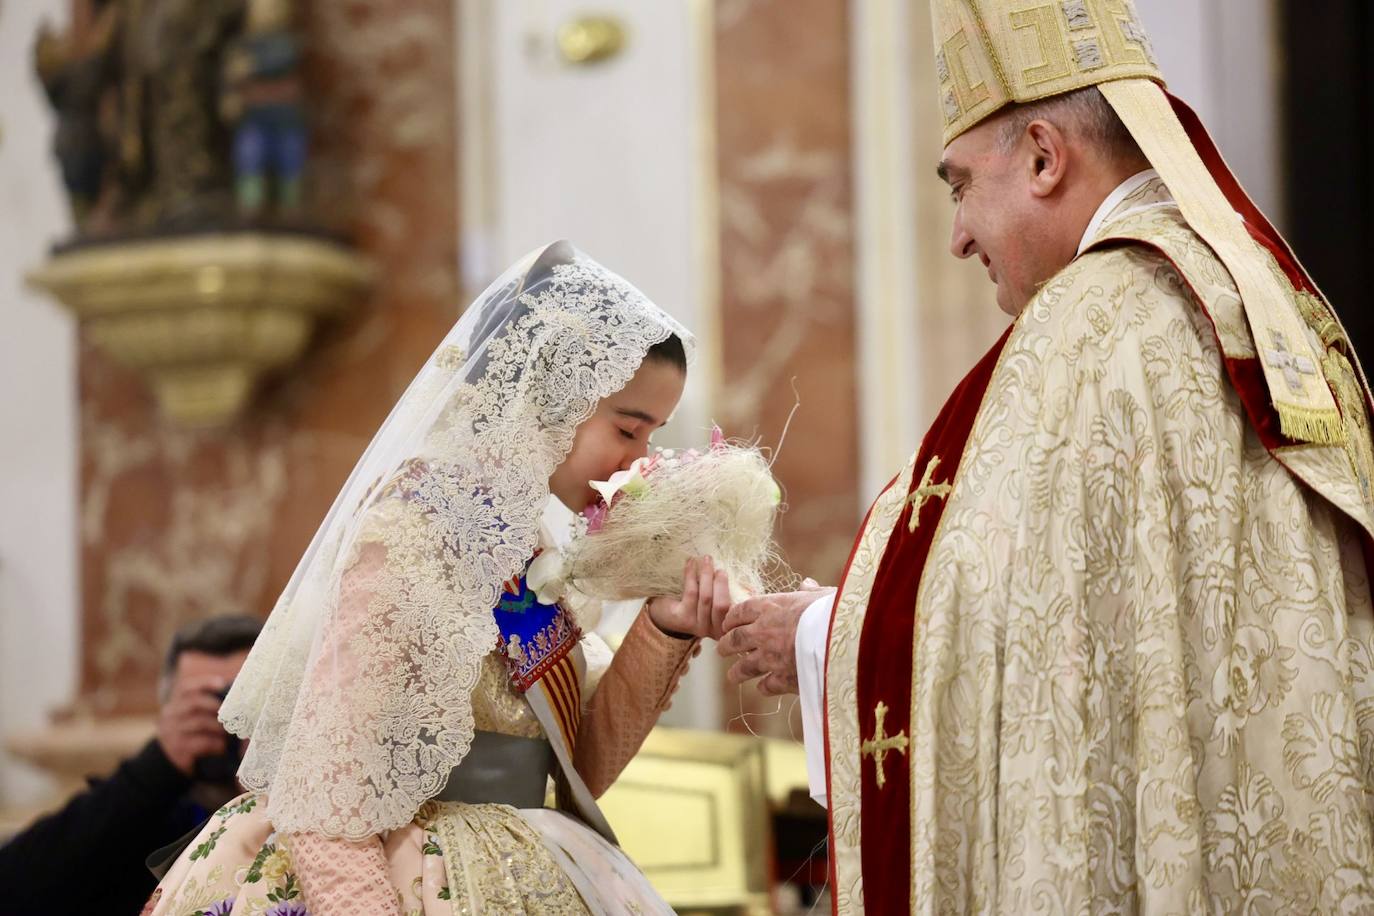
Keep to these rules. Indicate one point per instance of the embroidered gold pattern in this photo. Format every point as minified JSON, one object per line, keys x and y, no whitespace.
{"x":1345,"y":381}
{"x":841,"y":689}
{"x":969,"y":88}
{"x":880,"y":745}
{"x":997,"y":52}
{"x":1051,"y":61}
{"x":496,"y":863}
{"x":925,"y":491}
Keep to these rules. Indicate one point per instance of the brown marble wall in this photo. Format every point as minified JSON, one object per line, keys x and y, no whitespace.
{"x":787,"y":261}
{"x":787,"y":271}
{"x":177,"y":525}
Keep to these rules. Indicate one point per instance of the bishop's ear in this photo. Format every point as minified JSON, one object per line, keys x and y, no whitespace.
{"x":1048,"y":156}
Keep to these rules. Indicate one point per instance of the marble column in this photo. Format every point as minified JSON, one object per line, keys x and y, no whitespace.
{"x":787,"y":312}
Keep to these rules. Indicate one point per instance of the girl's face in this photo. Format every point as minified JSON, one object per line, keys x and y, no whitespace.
{"x":618,"y":432}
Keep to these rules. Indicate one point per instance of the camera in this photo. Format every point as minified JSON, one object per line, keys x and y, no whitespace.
{"x":220,"y":768}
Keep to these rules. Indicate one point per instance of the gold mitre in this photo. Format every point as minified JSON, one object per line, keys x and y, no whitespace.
{"x":991,"y":53}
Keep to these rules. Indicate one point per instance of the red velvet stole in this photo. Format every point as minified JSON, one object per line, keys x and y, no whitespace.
{"x":885,"y":646}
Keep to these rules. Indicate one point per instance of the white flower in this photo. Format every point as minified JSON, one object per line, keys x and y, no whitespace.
{"x":629,"y":481}
{"x":547,"y":576}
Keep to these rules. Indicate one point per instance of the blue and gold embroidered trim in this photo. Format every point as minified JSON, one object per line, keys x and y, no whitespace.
{"x":534,"y":636}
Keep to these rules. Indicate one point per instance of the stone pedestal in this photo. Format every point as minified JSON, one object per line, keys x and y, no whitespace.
{"x":203,"y":318}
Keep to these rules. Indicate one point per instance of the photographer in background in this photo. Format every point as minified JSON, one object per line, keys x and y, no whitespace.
{"x":93,"y":850}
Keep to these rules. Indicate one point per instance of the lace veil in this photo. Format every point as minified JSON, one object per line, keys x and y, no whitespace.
{"x":356,"y":697}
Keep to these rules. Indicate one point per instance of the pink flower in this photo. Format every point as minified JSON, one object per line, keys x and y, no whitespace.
{"x":595,"y":514}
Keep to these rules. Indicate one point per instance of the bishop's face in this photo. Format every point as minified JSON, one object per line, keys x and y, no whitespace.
{"x":997,"y":218}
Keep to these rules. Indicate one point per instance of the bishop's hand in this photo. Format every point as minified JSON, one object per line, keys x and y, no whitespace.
{"x":761,"y":635}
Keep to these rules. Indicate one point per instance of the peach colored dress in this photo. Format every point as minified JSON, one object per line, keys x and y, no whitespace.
{"x":456,"y":856}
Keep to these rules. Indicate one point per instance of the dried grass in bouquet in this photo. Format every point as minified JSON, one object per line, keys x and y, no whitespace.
{"x":721,"y":502}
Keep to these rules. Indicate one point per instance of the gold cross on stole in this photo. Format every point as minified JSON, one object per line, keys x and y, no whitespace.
{"x":878,"y":746}
{"x":925,"y":491}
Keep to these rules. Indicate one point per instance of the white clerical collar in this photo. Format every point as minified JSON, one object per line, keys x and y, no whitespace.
{"x":1112,"y":201}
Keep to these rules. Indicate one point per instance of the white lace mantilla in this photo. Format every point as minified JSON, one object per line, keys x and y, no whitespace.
{"x":357,"y":696}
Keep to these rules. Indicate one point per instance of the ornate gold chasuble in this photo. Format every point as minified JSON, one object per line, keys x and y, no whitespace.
{"x":1120,"y":637}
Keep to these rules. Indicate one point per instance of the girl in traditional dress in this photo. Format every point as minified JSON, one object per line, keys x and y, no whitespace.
{"x":412,"y":692}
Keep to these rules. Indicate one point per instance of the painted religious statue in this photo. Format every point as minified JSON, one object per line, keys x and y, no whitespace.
{"x":262,"y":101}
{"x":177,"y":115}
{"x":76,"y":69}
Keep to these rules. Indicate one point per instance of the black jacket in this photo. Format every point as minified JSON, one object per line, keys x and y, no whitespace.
{"x":89,"y":856}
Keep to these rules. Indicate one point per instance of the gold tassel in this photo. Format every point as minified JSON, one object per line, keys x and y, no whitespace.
{"x":1323,"y":427}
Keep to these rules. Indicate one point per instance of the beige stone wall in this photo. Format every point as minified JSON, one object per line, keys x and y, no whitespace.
{"x":38,"y":461}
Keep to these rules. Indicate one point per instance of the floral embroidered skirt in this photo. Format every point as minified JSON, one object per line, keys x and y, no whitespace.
{"x":453,"y":858}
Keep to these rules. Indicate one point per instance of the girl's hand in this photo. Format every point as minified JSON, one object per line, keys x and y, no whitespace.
{"x":701,"y":609}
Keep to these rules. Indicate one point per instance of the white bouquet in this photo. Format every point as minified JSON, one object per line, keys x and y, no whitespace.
{"x":673,"y":505}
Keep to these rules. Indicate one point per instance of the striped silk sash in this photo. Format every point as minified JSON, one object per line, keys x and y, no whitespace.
{"x":540,"y":645}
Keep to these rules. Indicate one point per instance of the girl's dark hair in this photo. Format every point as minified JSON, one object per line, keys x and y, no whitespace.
{"x":671,"y":351}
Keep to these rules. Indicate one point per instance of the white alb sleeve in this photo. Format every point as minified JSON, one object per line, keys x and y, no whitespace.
{"x":813,"y":631}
